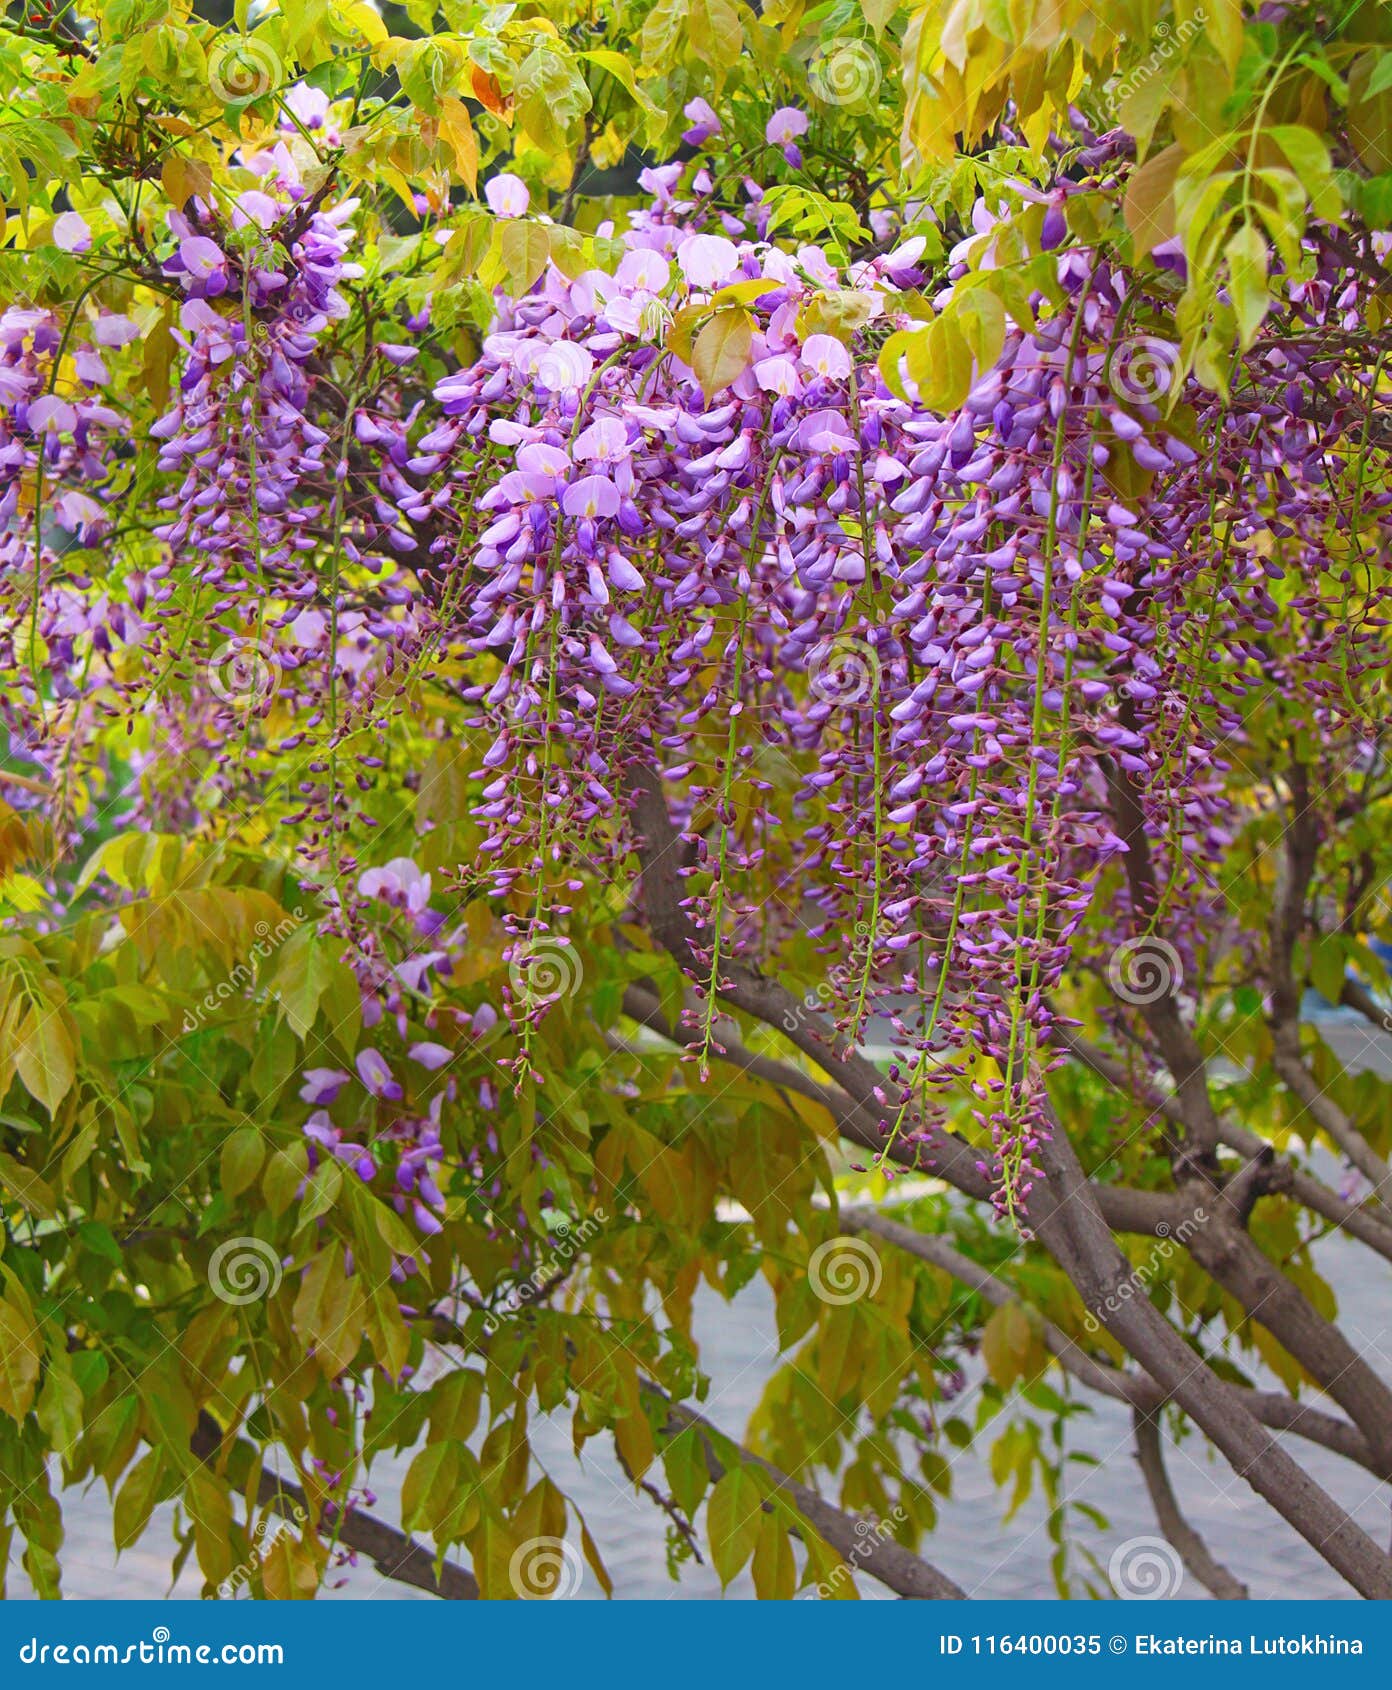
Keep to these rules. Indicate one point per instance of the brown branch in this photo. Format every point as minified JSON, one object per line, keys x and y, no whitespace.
{"x":394,"y":1555}
{"x":1312,"y":1193}
{"x":1178,"y":1047}
{"x":1080,"y":1241}
{"x":1193,"y":1551}
{"x":861,"y":1543}
{"x":1065,"y":1216}
{"x":1295,"y":870}
{"x":1281,"y":1413}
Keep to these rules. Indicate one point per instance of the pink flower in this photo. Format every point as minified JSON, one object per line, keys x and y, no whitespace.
{"x":507,"y":196}
{"x":605,"y":440}
{"x":643,"y":271}
{"x":70,"y":232}
{"x":399,"y":882}
{"x":201,"y":257}
{"x":777,"y":375}
{"x":430,"y":1055}
{"x":322,"y":1085}
{"x":50,"y":415}
{"x":786,"y":124}
{"x":704,"y":122}
{"x":825,"y":356}
{"x":783,"y":129}
{"x":114,"y":331}
{"x":707,"y":260}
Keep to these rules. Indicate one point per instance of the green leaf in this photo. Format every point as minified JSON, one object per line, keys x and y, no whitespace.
{"x":242,"y":1157}
{"x":60,"y":1406}
{"x":427,"y":1490}
{"x":662,"y":30}
{"x":20,"y":1352}
{"x":1247,"y":260}
{"x":733,"y":1518}
{"x":1309,"y":156}
{"x":1381,"y":79}
{"x":44,"y":1055}
{"x":715,"y":32}
{"x":136,"y":1499}
{"x":722,"y":349}
{"x":526,"y":246}
{"x":329,"y":1312}
{"x":35,"y":1194}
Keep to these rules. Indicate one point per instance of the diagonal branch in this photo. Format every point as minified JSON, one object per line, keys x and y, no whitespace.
{"x":394,"y":1555}
{"x":858,"y":1541}
{"x":1081,"y":1242}
{"x":1295,"y":869}
{"x":1272,"y":1408}
{"x":1313,"y":1193}
{"x":1193,"y":1551}
{"x":1064,"y":1214}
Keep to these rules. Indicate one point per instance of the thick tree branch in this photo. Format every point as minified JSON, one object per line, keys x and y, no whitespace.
{"x":1065,"y":1216}
{"x":1281,"y":1413}
{"x":1295,"y":869}
{"x":1313,"y":1193}
{"x":1078,"y":1237}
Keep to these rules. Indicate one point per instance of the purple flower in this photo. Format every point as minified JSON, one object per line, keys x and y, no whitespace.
{"x":322,"y":1085}
{"x":70,"y":232}
{"x":704,"y":122}
{"x":377,"y":1076}
{"x":783,"y":129}
{"x":430,"y":1055}
{"x":786,"y":124}
{"x":399,"y":882}
{"x":591,"y":496}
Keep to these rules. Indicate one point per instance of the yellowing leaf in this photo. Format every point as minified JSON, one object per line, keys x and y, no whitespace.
{"x":19,"y":1358}
{"x":526,"y":247}
{"x":457,"y":132}
{"x":722,"y":349}
{"x":44,"y":1055}
{"x":734,"y":1515}
{"x":329,"y":1312}
{"x":1149,"y":207}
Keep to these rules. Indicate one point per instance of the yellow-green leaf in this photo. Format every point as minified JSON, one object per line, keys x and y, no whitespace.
{"x":722,"y":349}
